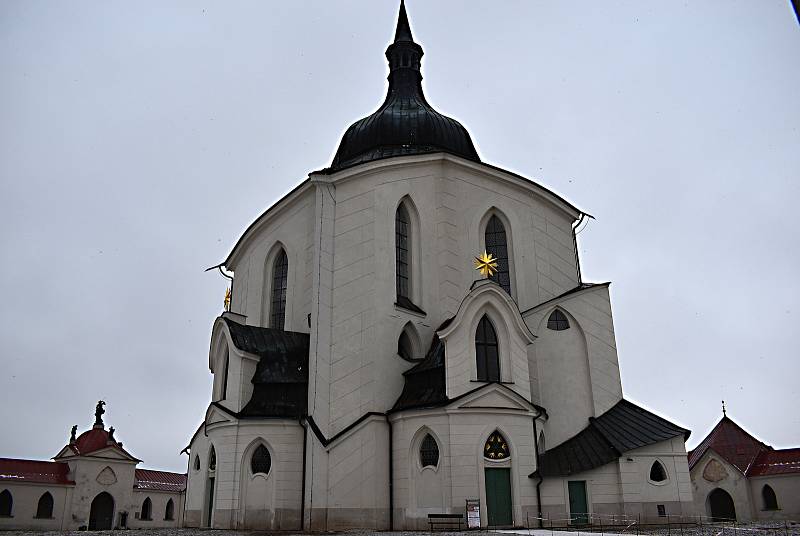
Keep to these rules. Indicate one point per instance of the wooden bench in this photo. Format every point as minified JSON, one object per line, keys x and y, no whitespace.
{"x":445,"y":519}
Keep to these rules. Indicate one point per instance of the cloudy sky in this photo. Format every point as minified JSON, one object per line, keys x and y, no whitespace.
{"x":137,"y":142}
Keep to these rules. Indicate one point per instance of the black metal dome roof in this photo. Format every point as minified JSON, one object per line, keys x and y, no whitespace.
{"x":405,"y":124}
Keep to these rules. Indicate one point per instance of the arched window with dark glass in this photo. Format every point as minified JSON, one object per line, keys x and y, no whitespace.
{"x":657,"y":472}
{"x":770,"y":499}
{"x":429,"y":452}
{"x":496,"y":447}
{"x":486,"y":353}
{"x":6,"y":503}
{"x":212,"y":459}
{"x":280,"y":277}
{"x":542,"y":448}
{"x":169,"y":511}
{"x":260,"y":462}
{"x":497,"y":245}
{"x":557,"y":321}
{"x":402,"y":253}
{"x":196,"y":462}
{"x":147,"y":509}
{"x":44,"y":510}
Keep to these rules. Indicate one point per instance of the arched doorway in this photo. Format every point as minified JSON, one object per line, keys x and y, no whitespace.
{"x":497,"y":479}
{"x":101,"y":516}
{"x":720,"y":506}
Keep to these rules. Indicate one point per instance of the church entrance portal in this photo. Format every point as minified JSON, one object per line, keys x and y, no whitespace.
{"x":578,"y":505}
{"x":721,"y":506}
{"x":498,"y":497}
{"x":102,"y":513}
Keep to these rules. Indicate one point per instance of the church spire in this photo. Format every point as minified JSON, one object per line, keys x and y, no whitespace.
{"x":405,"y":58}
{"x":403,"y":32}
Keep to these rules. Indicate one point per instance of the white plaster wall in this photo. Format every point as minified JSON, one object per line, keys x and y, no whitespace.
{"x":85,"y":471}
{"x":196,"y":480}
{"x":25,"y":498}
{"x":284,"y":439}
{"x":590,"y":309}
{"x":159,"y":501}
{"x":734,"y":483}
{"x":641,"y":495}
{"x":603,"y":494}
{"x":461,"y":435}
{"x":787,"y":492}
{"x":292,"y":226}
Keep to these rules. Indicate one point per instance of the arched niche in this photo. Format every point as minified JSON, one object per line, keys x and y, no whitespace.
{"x":257,"y":488}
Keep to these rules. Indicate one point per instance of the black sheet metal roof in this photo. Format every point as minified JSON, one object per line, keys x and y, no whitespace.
{"x":280,"y":382}
{"x":405,"y":124}
{"x":624,"y":427}
{"x":424,"y":382}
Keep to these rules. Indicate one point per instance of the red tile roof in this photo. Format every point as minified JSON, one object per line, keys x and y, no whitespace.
{"x":739,"y":448}
{"x":160,"y":480}
{"x":42,"y":472}
{"x":776,"y":462}
{"x":732,"y":443}
{"x":94,"y":440}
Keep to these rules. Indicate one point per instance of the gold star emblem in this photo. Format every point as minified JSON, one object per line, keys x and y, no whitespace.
{"x":227,"y":299}
{"x":486,"y":264}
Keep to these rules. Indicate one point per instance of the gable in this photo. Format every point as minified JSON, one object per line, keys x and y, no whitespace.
{"x":494,"y":398}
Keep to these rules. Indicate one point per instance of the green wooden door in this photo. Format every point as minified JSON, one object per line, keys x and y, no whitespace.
{"x":498,"y":497}
{"x":578,"y":505}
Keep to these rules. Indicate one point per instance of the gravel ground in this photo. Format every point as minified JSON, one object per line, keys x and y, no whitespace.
{"x":761,"y":529}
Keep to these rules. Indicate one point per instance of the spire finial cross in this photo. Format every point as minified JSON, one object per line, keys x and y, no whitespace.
{"x":724,"y":413}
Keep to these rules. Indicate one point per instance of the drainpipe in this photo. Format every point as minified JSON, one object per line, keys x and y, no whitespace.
{"x":538,"y":473}
{"x":391,"y":477}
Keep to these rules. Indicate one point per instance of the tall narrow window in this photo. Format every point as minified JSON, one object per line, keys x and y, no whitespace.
{"x":169,"y":511}
{"x":497,"y":245}
{"x":6,"y":503}
{"x":770,"y":500}
{"x":212,"y":459}
{"x":402,"y":223}
{"x":557,"y":321}
{"x":260,"y":462}
{"x":541,"y":445}
{"x":429,"y":452}
{"x":280,"y":273}
{"x":147,"y":509}
{"x":486,"y":354}
{"x":225,"y":377}
{"x":44,"y":510}
{"x":196,"y":462}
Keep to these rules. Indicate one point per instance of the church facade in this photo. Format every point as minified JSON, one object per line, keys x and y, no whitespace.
{"x":92,"y":483}
{"x":365,"y":375}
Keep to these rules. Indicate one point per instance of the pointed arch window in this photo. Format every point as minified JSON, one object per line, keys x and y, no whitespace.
{"x":44,"y":509}
{"x":557,"y":321}
{"x":497,"y":244}
{"x":770,"y":499}
{"x":402,"y":252}
{"x":260,"y":461}
{"x":429,"y":452}
{"x":404,"y":347}
{"x":196,"y":462}
{"x":169,"y":511}
{"x":6,"y":503}
{"x":542,"y":448}
{"x":657,"y":472}
{"x":486,"y":353}
{"x":147,"y":509}
{"x":496,"y":447}
{"x":280,"y":277}
{"x":212,"y":459}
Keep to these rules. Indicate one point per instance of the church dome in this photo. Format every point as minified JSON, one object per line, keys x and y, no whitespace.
{"x":405,"y":124}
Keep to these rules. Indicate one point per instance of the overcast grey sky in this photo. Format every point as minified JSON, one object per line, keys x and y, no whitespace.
{"x":138,"y":140}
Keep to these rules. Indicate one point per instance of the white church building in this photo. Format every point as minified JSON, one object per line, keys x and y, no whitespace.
{"x":365,"y":375}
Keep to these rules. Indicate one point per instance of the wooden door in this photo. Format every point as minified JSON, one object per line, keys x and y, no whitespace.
{"x":498,"y":497}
